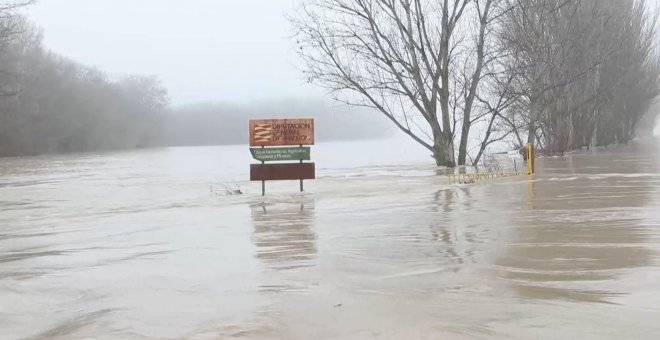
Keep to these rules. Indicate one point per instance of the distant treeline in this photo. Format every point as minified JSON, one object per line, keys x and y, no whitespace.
{"x":49,"y":104}
{"x":217,"y":123}
{"x":584,"y":73}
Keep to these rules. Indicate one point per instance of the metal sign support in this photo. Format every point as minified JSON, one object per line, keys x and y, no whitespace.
{"x":263,"y":182}
{"x":301,"y":180}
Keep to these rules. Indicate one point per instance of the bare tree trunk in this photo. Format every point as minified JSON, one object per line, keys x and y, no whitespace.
{"x":444,"y":146}
{"x":449,"y":149}
{"x":474,"y":82}
{"x":462,"y":147}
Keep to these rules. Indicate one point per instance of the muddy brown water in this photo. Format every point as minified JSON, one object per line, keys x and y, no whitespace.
{"x":145,"y":245}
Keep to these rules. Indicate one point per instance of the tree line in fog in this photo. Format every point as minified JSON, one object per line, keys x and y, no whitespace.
{"x":463,"y":78}
{"x":468,"y":77}
{"x":50,"y":104}
{"x":585,"y":74}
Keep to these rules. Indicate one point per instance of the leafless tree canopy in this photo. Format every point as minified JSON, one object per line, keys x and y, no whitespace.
{"x":418,"y":62}
{"x":563,"y":73}
{"x":585,"y":72}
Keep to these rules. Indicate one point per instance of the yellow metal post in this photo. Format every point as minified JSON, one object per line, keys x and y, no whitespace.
{"x":530,"y":158}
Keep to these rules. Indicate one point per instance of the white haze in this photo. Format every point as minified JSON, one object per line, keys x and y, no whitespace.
{"x":203,"y":50}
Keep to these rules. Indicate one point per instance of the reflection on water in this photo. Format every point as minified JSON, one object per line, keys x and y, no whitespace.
{"x":457,"y":237}
{"x":285,"y":241}
{"x":283,"y":234}
{"x":133,"y":246}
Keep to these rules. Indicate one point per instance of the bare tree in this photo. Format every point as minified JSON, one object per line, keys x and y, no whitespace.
{"x":53,"y":104}
{"x":573,"y":94}
{"x":488,"y":14}
{"x":12,"y":25}
{"x":496,"y":100}
{"x":403,"y":58}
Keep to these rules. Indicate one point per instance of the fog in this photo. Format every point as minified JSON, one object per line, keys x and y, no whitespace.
{"x":203,"y":50}
{"x":130,"y":206}
{"x":231,"y":52}
{"x":74,"y":80}
{"x":226,"y":123}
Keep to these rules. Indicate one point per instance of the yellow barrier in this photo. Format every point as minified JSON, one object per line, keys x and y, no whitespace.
{"x":480,"y":176}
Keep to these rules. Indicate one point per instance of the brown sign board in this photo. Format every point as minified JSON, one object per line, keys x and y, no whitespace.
{"x":281,"y":132}
{"x":282,"y":172}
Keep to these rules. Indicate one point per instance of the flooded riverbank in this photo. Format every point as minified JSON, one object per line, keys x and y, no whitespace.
{"x":137,"y":246}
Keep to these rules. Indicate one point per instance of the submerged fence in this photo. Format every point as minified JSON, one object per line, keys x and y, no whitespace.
{"x":469,"y":178}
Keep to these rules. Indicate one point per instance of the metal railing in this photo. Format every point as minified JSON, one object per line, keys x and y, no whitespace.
{"x":466,"y":178}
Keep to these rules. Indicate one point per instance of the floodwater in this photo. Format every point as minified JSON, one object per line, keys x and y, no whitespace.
{"x":146,"y":245}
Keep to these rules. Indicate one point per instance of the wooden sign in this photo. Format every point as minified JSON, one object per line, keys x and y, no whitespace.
{"x":281,"y":154}
{"x":281,"y":132}
{"x":282,"y":172}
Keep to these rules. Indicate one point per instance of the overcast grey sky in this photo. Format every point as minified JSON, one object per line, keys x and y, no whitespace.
{"x":203,"y":50}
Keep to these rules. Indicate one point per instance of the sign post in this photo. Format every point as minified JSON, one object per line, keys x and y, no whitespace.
{"x":263,"y":182}
{"x":281,"y":140}
{"x":301,"y":180}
